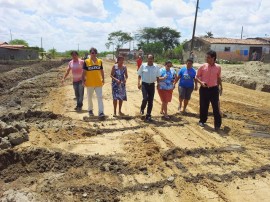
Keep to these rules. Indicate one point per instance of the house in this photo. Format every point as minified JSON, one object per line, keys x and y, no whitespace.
{"x":231,"y":49}
{"x":17,"y":52}
{"x":130,"y":54}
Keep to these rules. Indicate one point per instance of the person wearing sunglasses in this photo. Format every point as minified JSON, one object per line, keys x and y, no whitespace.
{"x":93,"y":79}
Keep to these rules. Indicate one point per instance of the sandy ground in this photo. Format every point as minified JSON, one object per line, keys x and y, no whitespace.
{"x":71,"y":157}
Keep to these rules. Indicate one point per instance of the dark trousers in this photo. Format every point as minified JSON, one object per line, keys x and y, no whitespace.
{"x":79,"y":92}
{"x":207,"y":96}
{"x":148,"y":92}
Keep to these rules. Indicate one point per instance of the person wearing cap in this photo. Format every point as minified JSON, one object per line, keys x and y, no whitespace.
{"x":187,"y":83}
{"x":93,"y":79}
{"x":148,"y":74}
{"x":119,"y":77}
{"x":76,"y":67}
{"x":209,"y":76}
{"x":165,"y":86}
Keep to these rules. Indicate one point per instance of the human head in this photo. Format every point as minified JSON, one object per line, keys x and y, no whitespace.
{"x":168,"y":64}
{"x":74,"y":55}
{"x":120,"y":59}
{"x":211,"y":57}
{"x":93,"y":52}
{"x":189,"y":63}
{"x":150,"y":59}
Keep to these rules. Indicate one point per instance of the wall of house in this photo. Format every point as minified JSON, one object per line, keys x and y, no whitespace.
{"x":235,"y":52}
{"x":21,"y":54}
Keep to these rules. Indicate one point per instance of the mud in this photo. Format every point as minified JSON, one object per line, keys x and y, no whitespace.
{"x":72,"y":157}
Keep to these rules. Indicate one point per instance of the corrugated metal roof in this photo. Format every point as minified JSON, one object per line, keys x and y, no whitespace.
{"x":233,"y":41}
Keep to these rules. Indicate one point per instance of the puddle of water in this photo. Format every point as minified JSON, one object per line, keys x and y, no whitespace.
{"x":260,"y":134}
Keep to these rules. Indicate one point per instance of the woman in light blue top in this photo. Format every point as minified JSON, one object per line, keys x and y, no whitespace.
{"x":165,"y":86}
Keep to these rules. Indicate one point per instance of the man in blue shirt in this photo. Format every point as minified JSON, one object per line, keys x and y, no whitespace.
{"x":187,"y":78}
{"x":148,"y":74}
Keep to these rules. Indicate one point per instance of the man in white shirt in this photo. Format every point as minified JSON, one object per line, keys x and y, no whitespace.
{"x":148,"y":74}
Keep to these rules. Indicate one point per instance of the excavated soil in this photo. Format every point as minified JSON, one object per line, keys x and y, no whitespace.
{"x":72,"y":157}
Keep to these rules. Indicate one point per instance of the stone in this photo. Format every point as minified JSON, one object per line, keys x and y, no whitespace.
{"x":8,"y":129}
{"x":4,"y":143}
{"x":105,"y":167}
{"x":20,"y":125}
{"x":84,"y":195}
{"x":171,"y":179}
{"x":160,"y":191}
{"x":217,"y":179}
{"x":17,"y":138}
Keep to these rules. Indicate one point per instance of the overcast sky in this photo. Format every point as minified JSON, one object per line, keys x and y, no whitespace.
{"x":65,"y":24}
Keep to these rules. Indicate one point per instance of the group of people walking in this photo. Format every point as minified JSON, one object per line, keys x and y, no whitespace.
{"x":90,"y":74}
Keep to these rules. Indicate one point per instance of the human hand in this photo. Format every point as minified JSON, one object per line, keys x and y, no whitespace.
{"x":204,"y":84}
{"x":139,"y":86}
{"x":196,"y":88}
{"x":118,"y":81}
{"x":220,"y":91}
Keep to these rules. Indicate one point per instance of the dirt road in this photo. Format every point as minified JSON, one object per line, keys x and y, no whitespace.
{"x":71,"y":157}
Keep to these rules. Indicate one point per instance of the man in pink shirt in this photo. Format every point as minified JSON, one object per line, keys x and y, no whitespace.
{"x":209,"y":76}
{"x":76,"y":67}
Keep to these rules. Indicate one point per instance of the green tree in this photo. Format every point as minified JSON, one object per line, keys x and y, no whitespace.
{"x":155,"y":48}
{"x":18,"y":42}
{"x":52,"y":52}
{"x":209,"y":35}
{"x":118,"y":39}
{"x":169,"y":37}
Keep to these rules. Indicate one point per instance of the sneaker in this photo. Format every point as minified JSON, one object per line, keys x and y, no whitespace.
{"x":101,"y":114}
{"x":201,"y":124}
{"x":91,"y":113}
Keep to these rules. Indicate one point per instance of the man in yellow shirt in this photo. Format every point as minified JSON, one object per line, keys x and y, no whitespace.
{"x":93,"y":78}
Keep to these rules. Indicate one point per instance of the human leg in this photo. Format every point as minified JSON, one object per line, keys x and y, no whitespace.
{"x":120,"y":107}
{"x":81,"y":94}
{"x":114,"y":107}
{"x":145,"y":97}
{"x":214,"y":99}
{"x":204,"y":104}
{"x":98,"y":91}
{"x":90,"y":91}
{"x":151,"y":94}
{"x":76,"y":92}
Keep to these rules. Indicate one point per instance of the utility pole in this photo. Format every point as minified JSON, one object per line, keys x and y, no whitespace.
{"x":41,"y":42}
{"x":10,"y":35}
{"x":194,"y":26}
{"x":242,"y":33}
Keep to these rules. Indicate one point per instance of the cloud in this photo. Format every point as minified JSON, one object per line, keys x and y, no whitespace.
{"x":67,"y":23}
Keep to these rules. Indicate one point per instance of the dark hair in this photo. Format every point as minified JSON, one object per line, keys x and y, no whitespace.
{"x":118,"y":57}
{"x":212,"y":54}
{"x":93,"y":49}
{"x":167,"y":62}
{"x":150,"y":54}
{"x":189,"y":60}
{"x":74,"y":52}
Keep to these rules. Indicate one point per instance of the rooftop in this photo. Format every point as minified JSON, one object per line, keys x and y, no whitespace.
{"x":256,"y":41}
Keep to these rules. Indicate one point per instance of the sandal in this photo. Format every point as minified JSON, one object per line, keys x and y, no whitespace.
{"x":166,"y":117}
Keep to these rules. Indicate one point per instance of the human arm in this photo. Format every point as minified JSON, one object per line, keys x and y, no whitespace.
{"x":112,"y":75}
{"x":102,"y":74}
{"x":195,"y":84}
{"x":199,"y":76}
{"x":66,"y":74}
{"x":220,"y":85}
{"x":126,"y":75}
{"x":139,"y":82}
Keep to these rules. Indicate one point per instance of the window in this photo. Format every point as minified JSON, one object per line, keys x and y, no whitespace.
{"x":227,"y":49}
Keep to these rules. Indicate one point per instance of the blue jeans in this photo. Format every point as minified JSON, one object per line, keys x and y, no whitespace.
{"x":79,"y":91}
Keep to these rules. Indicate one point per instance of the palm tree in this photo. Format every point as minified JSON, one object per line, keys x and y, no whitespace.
{"x":209,"y":35}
